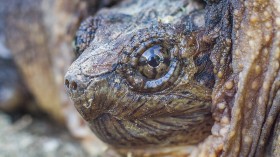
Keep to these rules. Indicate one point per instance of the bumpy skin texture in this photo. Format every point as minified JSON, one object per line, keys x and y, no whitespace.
{"x":242,"y":38}
{"x":130,"y":104}
{"x":246,"y":94}
{"x":256,"y":55}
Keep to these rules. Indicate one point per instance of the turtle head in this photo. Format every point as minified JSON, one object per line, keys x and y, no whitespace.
{"x":141,"y":78}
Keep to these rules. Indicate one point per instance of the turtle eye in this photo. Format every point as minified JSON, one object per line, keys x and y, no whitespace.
{"x":154,"y":62}
{"x":153,"y":66}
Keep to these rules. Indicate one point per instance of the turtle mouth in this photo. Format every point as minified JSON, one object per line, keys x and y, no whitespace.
{"x":90,"y":98}
{"x":140,"y":133}
{"x":125,"y":119}
{"x":84,"y":107}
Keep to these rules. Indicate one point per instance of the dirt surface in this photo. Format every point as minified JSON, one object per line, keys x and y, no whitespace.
{"x":36,"y":137}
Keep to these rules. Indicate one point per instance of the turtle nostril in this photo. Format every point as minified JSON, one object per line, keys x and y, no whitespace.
{"x":73,"y":85}
{"x":70,"y":83}
{"x":66,"y":83}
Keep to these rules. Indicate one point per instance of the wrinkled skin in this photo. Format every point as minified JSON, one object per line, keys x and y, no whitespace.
{"x":240,"y":40}
{"x":246,"y":93}
{"x":254,"y":95}
{"x":128,"y":106}
{"x":140,"y":111}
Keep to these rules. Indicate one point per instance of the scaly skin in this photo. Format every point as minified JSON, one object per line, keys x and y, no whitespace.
{"x":246,"y":95}
{"x":129,"y":105}
{"x":255,"y":64}
{"x":243,"y":41}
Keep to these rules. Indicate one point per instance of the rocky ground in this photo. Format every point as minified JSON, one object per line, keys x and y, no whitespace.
{"x":26,"y":136}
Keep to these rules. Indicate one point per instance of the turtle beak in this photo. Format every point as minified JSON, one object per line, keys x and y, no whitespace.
{"x":86,"y":73}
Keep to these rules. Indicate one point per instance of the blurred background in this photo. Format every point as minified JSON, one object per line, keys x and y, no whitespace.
{"x":36,"y":116}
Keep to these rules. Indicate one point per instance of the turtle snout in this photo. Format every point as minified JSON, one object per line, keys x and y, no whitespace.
{"x":84,"y":99}
{"x":70,"y":84}
{"x":74,"y":83}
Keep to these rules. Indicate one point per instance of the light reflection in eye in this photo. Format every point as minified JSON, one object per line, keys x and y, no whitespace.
{"x":154,"y":62}
{"x":165,"y":78}
{"x":153,"y":56}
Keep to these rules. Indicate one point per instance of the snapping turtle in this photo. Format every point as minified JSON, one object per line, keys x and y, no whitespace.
{"x":156,"y":76}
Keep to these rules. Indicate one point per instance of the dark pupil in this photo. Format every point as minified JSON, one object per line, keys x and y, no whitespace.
{"x":153,"y":60}
{"x":153,"y":56}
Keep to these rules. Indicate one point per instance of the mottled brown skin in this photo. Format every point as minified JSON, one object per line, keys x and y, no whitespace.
{"x":246,"y":95}
{"x":242,"y":38}
{"x":256,"y":55}
{"x":127,"y":107}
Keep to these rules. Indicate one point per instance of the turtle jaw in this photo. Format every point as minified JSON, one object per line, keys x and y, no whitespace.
{"x":155,"y":132}
{"x":126,"y":119}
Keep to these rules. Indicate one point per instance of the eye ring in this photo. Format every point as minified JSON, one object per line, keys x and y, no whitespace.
{"x":140,"y":82}
{"x":154,"y":62}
